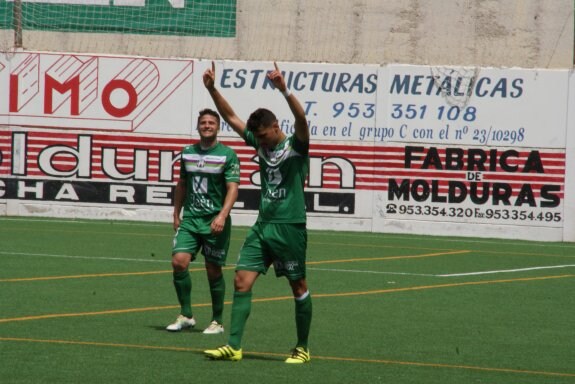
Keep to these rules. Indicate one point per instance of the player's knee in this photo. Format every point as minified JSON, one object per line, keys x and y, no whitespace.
{"x":239,"y":284}
{"x":214,"y":271}
{"x":298,"y":287}
{"x":178,"y":266}
{"x":243,"y":282}
{"x":180,"y":262}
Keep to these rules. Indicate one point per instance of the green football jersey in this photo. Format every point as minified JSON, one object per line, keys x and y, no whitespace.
{"x":283,"y":171}
{"x":206,"y":173}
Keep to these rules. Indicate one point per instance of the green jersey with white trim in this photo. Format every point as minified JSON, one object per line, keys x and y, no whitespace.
{"x":206,"y":173}
{"x":283,"y":171}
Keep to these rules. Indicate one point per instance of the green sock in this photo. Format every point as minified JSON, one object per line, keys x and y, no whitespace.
{"x":217,"y":291}
{"x":241,"y":307}
{"x":183,"y":285}
{"x":303,"y":310}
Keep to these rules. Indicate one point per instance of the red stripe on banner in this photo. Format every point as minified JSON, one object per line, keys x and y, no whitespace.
{"x":373,"y":166}
{"x":428,"y":174}
{"x":526,"y":177}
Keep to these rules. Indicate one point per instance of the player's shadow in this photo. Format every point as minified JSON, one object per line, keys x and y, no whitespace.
{"x":163,"y":329}
{"x":246,"y":356}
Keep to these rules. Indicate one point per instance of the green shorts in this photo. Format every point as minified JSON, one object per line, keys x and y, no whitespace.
{"x":195,"y":233}
{"x":283,"y":245}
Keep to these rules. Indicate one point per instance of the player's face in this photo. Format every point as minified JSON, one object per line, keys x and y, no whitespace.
{"x":268,"y":137}
{"x":208,"y":127}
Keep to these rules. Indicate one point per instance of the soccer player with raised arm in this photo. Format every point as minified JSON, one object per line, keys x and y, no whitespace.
{"x":279,"y":235}
{"x":206,"y":191}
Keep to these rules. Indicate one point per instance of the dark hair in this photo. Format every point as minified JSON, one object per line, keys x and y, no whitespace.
{"x":261,"y":118}
{"x":210,"y":112}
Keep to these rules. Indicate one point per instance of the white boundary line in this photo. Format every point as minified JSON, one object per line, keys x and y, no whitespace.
{"x":80,"y":221}
{"x":84,"y":257}
{"x":309,"y":268}
{"x":324,"y":233}
{"x":373,"y":272}
{"x":507,"y":270}
{"x":448,"y":275}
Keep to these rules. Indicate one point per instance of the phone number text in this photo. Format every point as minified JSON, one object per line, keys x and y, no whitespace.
{"x":479,"y":213}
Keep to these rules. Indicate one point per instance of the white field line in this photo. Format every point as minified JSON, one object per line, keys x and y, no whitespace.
{"x":447,"y":275}
{"x":81,"y":221}
{"x":372,"y":272}
{"x":167,"y":260}
{"x":193,"y":262}
{"x":507,"y":270}
{"x":309,"y":268}
{"x":324,"y":233}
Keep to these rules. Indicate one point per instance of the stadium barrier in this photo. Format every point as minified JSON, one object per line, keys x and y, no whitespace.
{"x":395,"y":148}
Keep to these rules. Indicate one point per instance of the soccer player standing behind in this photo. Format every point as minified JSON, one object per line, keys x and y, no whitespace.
{"x":207,"y":190}
{"x":279,"y":235}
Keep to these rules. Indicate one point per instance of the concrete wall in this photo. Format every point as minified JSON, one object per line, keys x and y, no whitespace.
{"x":496,"y":33}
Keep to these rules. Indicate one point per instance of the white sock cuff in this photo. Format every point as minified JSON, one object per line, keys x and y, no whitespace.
{"x":303,"y":297}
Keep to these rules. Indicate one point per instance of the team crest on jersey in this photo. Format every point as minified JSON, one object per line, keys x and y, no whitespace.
{"x":204,"y":163}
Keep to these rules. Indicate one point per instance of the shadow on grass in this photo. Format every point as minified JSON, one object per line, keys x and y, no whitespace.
{"x":163,"y":329}
{"x":247,"y":356}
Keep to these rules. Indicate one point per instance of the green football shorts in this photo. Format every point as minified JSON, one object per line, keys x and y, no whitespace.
{"x":194,"y":233}
{"x":283,"y":245}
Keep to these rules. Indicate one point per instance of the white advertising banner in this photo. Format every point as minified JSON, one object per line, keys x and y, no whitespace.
{"x":396,"y":148}
{"x":499,"y":107}
{"x":569,"y":226}
{"x":100,"y":93}
{"x":487,"y":152}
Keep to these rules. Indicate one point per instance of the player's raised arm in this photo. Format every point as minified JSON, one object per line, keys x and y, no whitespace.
{"x":224,"y":108}
{"x":300,"y":125}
